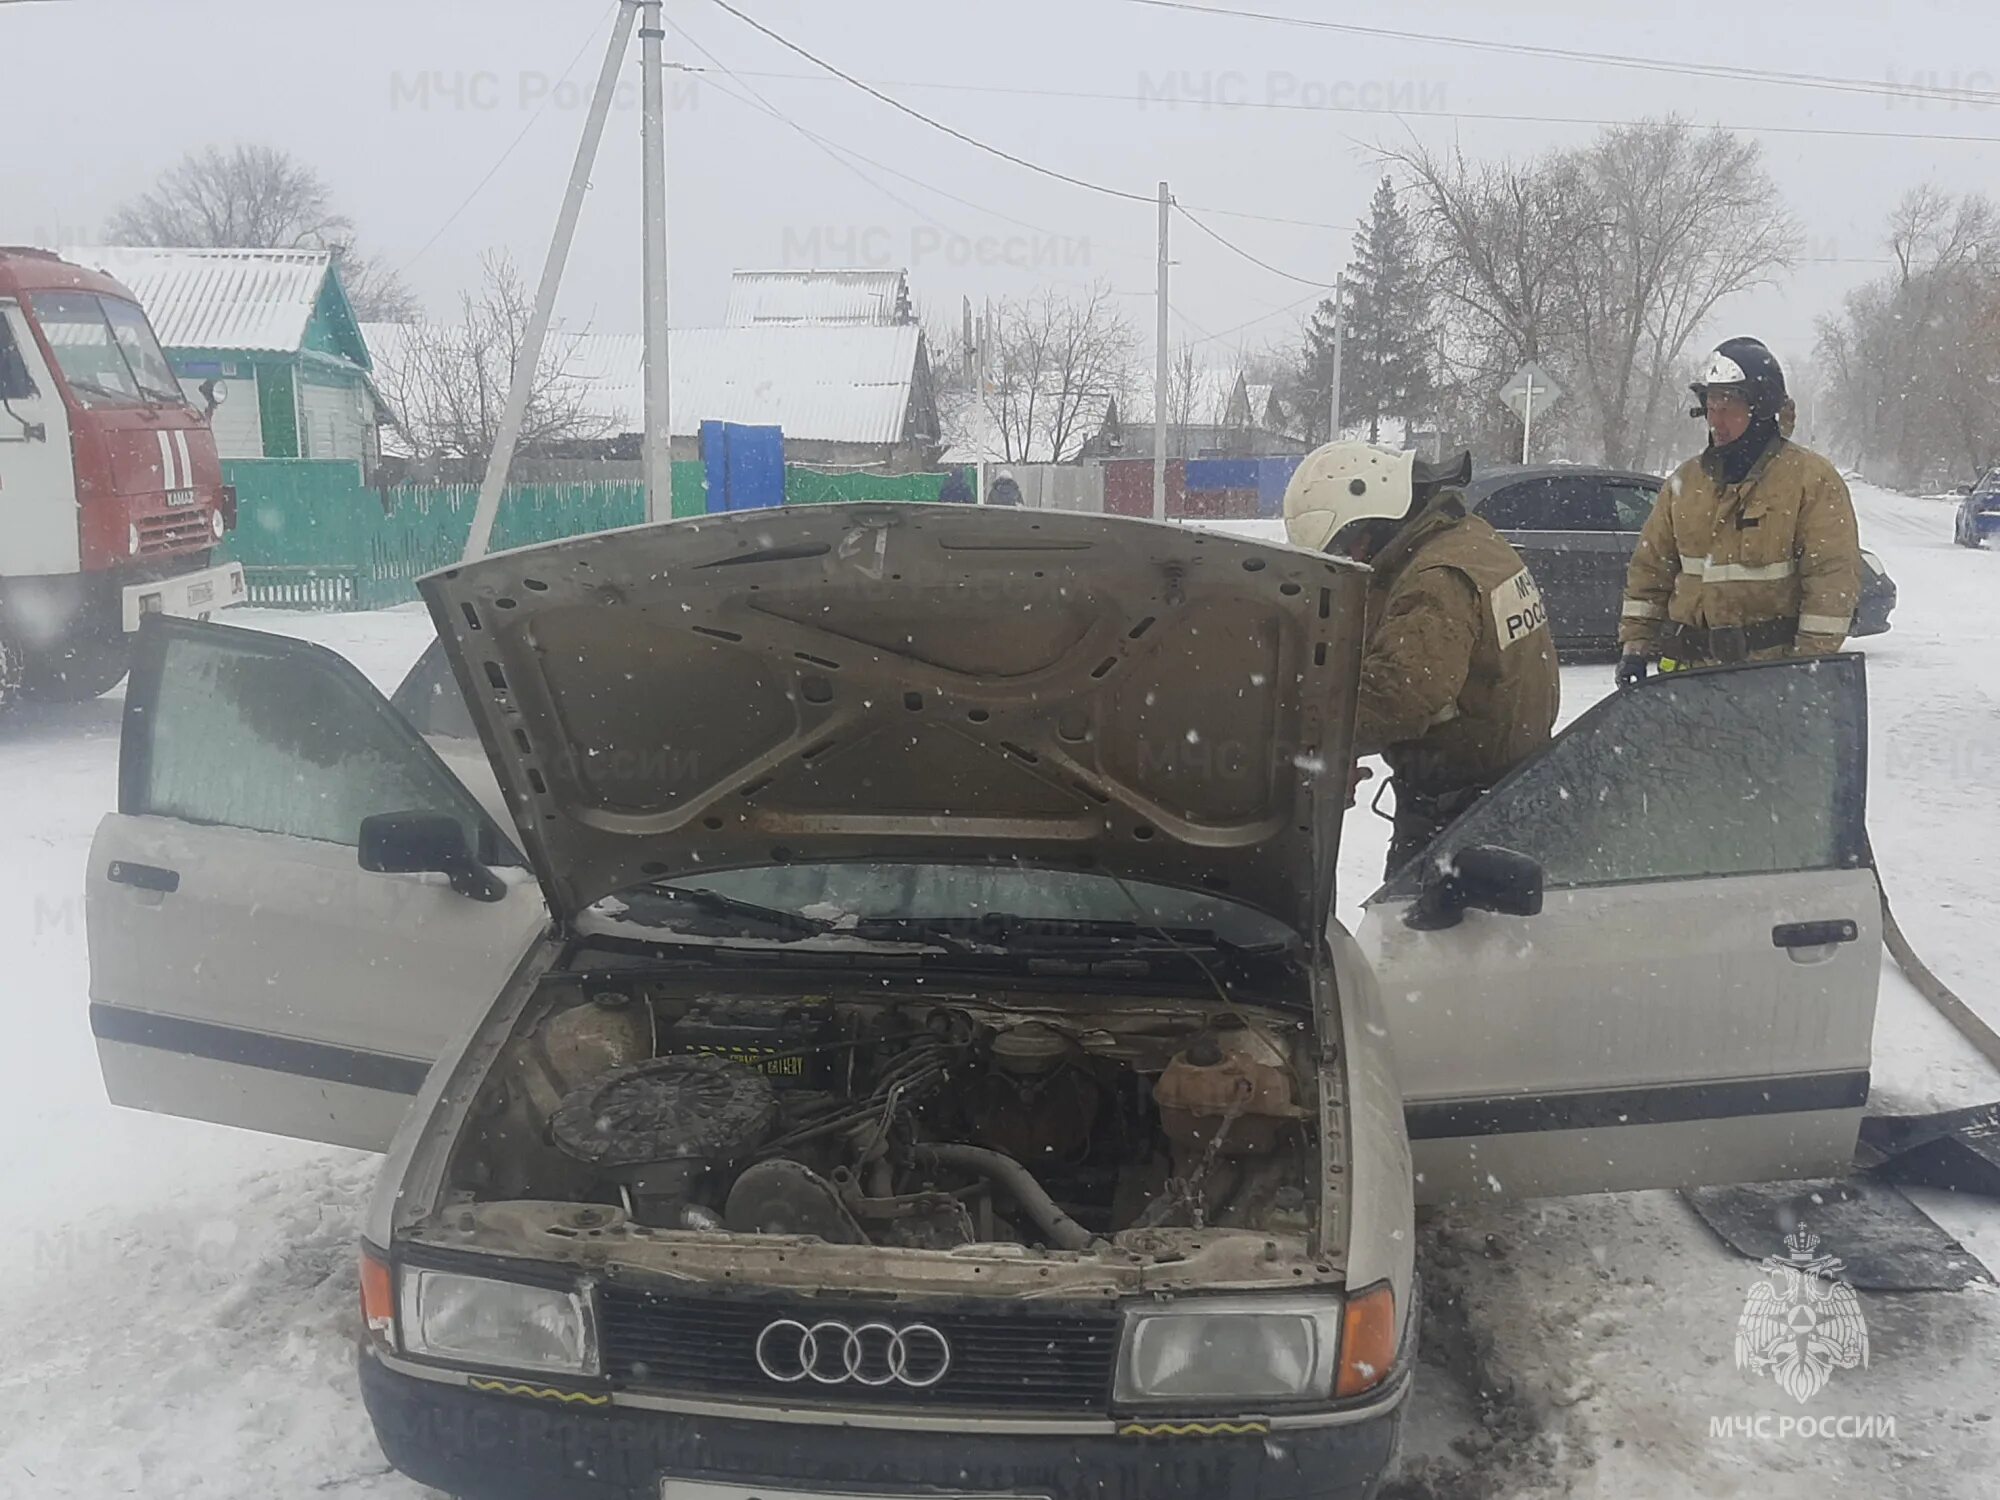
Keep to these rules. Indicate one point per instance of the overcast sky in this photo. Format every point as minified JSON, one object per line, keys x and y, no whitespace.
{"x":405,"y":105}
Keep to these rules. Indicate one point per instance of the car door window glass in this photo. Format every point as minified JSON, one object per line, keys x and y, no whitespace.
{"x":429,"y":700}
{"x":1754,"y":770}
{"x":1531,"y":505}
{"x":16,"y":384}
{"x":1631,"y":505}
{"x":268,"y":735}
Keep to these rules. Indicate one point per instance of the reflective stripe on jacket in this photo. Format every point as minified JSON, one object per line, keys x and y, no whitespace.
{"x":1781,"y":545}
{"x":1458,"y":678}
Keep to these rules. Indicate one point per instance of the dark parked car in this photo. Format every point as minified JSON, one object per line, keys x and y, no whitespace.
{"x":1979,"y":512}
{"x":1577,"y":527}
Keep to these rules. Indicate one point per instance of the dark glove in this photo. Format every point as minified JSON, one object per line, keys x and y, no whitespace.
{"x":1632,"y":669}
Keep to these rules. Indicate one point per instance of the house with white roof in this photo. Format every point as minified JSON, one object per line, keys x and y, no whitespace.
{"x":863,"y":298}
{"x":1211,"y":413}
{"x":848,"y":394}
{"x":271,"y":332}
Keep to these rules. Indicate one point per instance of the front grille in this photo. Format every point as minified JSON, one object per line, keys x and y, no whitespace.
{"x":1004,"y":1357}
{"x":173,"y":533}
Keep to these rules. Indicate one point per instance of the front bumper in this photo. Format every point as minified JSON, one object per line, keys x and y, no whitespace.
{"x":489,"y":1446}
{"x":185,"y":596}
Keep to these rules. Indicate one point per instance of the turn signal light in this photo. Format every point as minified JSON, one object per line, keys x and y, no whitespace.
{"x":378,"y":1295}
{"x":1368,"y":1338}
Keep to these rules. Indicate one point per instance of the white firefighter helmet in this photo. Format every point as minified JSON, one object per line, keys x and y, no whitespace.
{"x":1341,"y":483}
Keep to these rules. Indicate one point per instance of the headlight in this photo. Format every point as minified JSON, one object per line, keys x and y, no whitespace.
{"x":1213,"y":1351}
{"x":480,"y":1321}
{"x":1874,"y":564}
{"x":132,"y":540}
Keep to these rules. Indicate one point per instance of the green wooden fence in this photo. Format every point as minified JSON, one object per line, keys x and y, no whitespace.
{"x":311,"y":535}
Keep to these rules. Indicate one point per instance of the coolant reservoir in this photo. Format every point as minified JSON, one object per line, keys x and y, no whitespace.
{"x":1231,"y":1088}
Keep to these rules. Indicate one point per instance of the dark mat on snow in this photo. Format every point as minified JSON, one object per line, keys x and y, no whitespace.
{"x":1884,"y":1241}
{"x":1958,"y":1150}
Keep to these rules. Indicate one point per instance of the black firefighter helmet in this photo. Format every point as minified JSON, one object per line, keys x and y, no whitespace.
{"x":1747,"y":366}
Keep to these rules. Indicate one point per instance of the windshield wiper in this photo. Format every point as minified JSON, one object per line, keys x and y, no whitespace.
{"x":1001,"y":929}
{"x":715,"y":904}
{"x":104,"y":390}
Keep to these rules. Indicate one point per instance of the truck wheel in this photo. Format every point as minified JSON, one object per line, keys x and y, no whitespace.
{"x":77,"y":671}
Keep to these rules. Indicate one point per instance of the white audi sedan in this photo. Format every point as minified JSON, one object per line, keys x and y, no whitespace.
{"x":850,"y":999}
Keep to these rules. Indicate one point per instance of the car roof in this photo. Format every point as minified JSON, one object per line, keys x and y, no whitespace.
{"x":1487,"y":480}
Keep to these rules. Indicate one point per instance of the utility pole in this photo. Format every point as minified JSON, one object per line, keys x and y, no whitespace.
{"x":530,"y":357}
{"x":1339,"y":336}
{"x":1160,"y":377}
{"x":659,"y":449}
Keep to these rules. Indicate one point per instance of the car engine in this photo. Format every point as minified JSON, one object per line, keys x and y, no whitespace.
{"x":916,"y":1125}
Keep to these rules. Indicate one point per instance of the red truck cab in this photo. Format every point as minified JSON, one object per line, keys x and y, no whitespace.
{"x":111,"y":489}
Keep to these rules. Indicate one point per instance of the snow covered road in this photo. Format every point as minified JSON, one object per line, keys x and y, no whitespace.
{"x":176,"y":1299}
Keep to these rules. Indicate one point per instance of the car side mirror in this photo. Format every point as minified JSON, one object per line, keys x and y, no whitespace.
{"x":1483,"y":876}
{"x":422,"y":843}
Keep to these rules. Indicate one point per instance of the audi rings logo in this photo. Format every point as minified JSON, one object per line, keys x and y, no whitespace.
{"x":874,"y":1354}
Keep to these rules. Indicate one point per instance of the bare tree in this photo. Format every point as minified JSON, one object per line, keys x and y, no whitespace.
{"x":448,"y":383}
{"x":1912,"y":364}
{"x":1058,"y":359}
{"x":1499,"y":239}
{"x":257,"y":197}
{"x":1683,"y":219}
{"x":1602,"y":264}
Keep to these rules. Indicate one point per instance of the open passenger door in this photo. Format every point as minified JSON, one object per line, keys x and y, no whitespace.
{"x":1694,"y":1001}
{"x":244,"y":966}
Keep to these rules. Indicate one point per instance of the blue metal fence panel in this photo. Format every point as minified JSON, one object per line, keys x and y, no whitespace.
{"x":746,"y":466}
{"x":1273,"y":474}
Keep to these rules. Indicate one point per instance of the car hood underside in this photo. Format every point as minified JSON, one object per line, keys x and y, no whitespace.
{"x":908,"y":682}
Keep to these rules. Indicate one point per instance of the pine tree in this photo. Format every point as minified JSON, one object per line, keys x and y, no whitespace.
{"x":1385,"y":359}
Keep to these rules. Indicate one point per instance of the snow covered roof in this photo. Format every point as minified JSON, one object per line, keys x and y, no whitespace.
{"x":1206,"y":405}
{"x":848,"y":298}
{"x":819,"y":383}
{"x":260,"y":300}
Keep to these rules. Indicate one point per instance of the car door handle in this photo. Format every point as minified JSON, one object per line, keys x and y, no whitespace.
{"x":1814,"y":934}
{"x":145,"y":877}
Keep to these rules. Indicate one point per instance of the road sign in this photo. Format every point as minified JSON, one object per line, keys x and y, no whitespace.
{"x":1528,"y":391}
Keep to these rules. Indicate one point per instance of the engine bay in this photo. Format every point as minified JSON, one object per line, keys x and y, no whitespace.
{"x":902,"y":1122}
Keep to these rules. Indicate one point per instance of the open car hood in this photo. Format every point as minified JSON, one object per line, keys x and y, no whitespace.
{"x":915,"y":682}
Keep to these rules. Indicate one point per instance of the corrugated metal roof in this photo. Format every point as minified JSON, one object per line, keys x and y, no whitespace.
{"x":820,"y":383}
{"x":258,"y":300}
{"x":847,"y":298}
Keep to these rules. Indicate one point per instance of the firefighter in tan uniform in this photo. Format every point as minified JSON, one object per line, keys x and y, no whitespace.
{"x":1751,"y":552}
{"x":1458,"y":675}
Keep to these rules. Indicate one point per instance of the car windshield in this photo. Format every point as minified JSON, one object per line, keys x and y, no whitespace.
{"x":105,"y":349}
{"x":1004,"y":902}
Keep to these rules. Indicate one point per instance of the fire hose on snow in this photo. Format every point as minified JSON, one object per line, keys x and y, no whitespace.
{"x":1966,"y":1021}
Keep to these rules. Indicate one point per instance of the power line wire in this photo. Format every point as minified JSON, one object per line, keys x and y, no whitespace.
{"x":494,"y":170}
{"x":1232,"y":246}
{"x":1276,"y":312}
{"x":1504,"y":117}
{"x":917,"y":114}
{"x":826,"y":143}
{"x":1730,"y":71}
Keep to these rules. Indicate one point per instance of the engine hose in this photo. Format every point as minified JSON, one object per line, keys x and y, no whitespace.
{"x":1062,"y":1230}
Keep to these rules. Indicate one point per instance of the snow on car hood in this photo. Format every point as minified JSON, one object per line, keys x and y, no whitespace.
{"x":915,"y":682}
